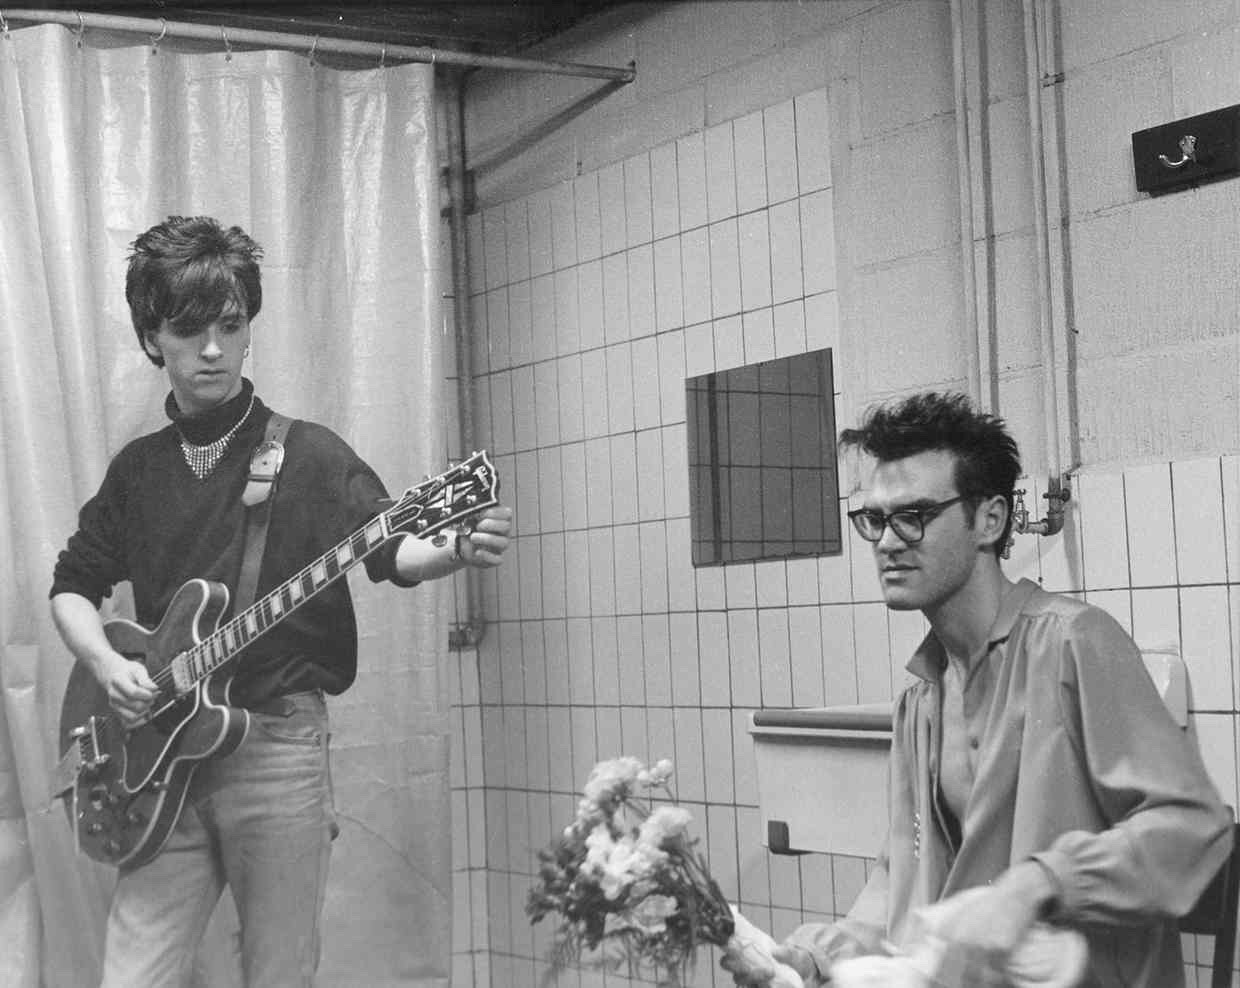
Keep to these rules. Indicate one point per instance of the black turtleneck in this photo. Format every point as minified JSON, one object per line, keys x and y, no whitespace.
{"x":154,"y":523}
{"x":210,"y":425}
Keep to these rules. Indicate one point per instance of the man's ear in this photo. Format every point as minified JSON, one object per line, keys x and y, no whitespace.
{"x":149,"y":345}
{"x":990,"y":519}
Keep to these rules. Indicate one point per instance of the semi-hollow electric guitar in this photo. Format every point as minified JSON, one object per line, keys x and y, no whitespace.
{"x":124,"y":789}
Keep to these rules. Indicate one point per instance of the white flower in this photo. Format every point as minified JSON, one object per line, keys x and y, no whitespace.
{"x":612,"y":782}
{"x":650,"y":914}
{"x":608,"y":778}
{"x":657,"y":774}
{"x":588,"y":814}
{"x":599,"y":843}
{"x":663,"y":823}
{"x":618,"y":863}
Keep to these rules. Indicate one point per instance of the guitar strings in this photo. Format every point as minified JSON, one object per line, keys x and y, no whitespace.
{"x":165,"y":677}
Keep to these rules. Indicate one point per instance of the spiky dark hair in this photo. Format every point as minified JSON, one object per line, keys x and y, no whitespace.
{"x":187,"y":270}
{"x":987,"y":457}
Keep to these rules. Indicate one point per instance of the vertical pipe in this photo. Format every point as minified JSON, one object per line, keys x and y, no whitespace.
{"x":1050,"y":398}
{"x":467,"y":633}
{"x":964,"y":172}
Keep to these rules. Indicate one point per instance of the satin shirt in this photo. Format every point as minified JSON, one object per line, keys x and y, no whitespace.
{"x":1079,"y":765}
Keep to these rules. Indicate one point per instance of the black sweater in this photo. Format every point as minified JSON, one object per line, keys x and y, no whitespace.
{"x":154,"y":523}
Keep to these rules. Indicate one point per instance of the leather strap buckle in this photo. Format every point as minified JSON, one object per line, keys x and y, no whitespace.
{"x":265,"y":465}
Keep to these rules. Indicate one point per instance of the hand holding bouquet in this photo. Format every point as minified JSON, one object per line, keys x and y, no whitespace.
{"x":752,"y":955}
{"x":627,"y":883}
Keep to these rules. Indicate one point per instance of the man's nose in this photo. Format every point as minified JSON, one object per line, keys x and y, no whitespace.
{"x":211,"y":346}
{"x":889,"y":541}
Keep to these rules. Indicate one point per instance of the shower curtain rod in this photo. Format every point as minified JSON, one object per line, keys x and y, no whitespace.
{"x":158,"y":29}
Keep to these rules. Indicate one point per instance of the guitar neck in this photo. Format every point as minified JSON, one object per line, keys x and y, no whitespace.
{"x":424,"y":509}
{"x":264,"y":614}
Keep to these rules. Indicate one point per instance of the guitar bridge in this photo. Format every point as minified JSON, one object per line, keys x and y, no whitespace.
{"x":83,"y":757}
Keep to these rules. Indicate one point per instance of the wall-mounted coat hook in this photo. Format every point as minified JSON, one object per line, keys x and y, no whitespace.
{"x":1187,"y":152}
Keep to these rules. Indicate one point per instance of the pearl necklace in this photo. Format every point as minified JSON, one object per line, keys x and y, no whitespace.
{"x":202,"y":459}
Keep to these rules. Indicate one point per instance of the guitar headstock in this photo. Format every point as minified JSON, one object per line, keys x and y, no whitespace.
{"x":459,"y":492}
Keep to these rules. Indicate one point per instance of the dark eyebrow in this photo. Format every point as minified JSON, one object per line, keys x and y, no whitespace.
{"x":917,"y":505}
{"x":921,"y":502}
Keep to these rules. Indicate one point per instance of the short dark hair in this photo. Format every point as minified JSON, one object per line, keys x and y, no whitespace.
{"x":187,"y":270}
{"x":987,"y":457}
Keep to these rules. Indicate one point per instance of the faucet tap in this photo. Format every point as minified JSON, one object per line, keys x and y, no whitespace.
{"x":1056,"y":497}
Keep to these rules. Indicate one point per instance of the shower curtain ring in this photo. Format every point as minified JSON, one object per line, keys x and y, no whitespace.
{"x":383,"y":56}
{"x":227,"y":47}
{"x":313,"y":48}
{"x":81,"y":28}
{"x":4,"y":26}
{"x":156,"y":40}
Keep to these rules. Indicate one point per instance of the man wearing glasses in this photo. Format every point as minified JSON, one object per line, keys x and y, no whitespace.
{"x":1033,"y":761}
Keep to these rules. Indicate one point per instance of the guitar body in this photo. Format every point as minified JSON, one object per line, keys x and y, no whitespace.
{"x":132,"y":784}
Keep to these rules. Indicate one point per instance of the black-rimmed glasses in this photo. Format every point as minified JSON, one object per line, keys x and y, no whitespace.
{"x":909,"y":524}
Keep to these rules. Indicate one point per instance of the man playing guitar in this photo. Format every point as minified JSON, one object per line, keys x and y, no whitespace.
{"x":169,"y":511}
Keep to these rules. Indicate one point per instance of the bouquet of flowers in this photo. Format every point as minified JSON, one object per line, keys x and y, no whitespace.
{"x":626,"y":882}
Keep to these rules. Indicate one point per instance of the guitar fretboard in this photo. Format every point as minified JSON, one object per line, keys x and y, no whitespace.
{"x":231,"y":637}
{"x":432,"y":505}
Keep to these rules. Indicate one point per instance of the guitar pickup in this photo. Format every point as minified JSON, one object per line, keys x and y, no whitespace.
{"x":182,"y":675}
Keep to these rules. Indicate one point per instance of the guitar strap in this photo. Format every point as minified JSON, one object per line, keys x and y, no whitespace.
{"x":265,"y":463}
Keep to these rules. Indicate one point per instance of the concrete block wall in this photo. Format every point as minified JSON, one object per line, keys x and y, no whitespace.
{"x":783,"y":177}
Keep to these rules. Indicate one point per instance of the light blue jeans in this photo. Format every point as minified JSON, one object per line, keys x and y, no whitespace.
{"x":260,"y":821}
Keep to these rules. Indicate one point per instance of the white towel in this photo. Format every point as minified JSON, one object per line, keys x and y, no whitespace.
{"x":1048,"y":957}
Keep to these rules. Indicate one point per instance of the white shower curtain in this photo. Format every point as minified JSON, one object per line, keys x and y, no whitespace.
{"x":333,"y":173}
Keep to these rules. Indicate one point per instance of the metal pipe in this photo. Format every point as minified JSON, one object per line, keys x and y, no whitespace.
{"x":467,"y":633}
{"x":1057,"y":492}
{"x":161,"y":28}
{"x":532,"y":135}
{"x":964,"y":172}
{"x":1033,"y":82}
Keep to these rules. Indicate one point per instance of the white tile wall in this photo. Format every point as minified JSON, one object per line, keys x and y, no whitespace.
{"x":1147,"y":498}
{"x":1104,"y":543}
{"x":1197,"y":492}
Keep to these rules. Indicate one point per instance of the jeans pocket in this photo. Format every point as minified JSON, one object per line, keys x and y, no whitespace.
{"x":334,"y":823}
{"x":297,"y":728}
